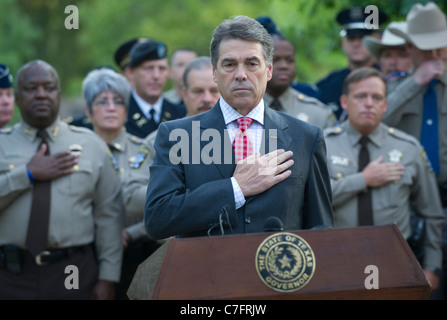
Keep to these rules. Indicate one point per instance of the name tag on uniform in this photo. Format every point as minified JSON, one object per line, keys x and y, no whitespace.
{"x":75,"y":149}
{"x":340,"y":160}
{"x":12,"y":155}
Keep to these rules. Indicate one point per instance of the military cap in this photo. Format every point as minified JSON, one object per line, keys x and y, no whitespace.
{"x":269,"y":25}
{"x":353,"y":21}
{"x":122,"y":54}
{"x":5,"y":77}
{"x":147,"y":50}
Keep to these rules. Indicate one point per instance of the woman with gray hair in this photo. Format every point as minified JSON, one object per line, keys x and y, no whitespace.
{"x":107,"y":95}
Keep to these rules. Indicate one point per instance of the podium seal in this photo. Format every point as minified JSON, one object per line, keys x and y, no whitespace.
{"x":285,"y":262}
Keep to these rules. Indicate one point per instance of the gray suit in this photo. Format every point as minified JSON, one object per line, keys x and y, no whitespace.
{"x":189,"y":199}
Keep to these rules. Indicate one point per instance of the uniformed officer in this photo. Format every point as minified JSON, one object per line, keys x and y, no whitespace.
{"x":391,"y":51}
{"x":396,"y":174}
{"x":65,"y":173}
{"x":149,"y":70}
{"x":200,"y":94}
{"x":106,"y":95}
{"x":122,"y":56}
{"x":281,"y":96}
{"x":417,"y":104}
{"x":122,"y":60}
{"x":6,"y":96}
{"x":271,"y":27}
{"x":354,"y":28}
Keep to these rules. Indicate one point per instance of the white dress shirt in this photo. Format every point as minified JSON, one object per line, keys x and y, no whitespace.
{"x":146,"y":106}
{"x":254,"y":132}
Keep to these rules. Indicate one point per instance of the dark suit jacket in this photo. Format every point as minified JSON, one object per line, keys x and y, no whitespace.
{"x":188,"y":199}
{"x":140,"y":126}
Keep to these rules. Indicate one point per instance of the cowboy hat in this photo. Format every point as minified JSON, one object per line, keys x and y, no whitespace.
{"x":375,"y":46}
{"x":426,"y":27}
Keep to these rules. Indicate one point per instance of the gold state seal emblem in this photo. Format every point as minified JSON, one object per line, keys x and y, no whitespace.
{"x":285,"y":262}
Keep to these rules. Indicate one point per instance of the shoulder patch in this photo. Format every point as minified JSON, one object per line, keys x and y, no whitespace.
{"x":427,"y":162}
{"x":136,"y":161}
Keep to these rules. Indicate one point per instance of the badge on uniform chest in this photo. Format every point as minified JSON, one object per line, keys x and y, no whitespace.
{"x":75,"y":149}
{"x":395,"y":155}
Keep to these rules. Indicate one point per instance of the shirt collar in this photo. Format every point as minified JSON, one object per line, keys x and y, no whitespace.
{"x":230,"y":114}
{"x":120,"y":141}
{"x":145,"y":106}
{"x":375,"y":137}
{"x":52,"y":130}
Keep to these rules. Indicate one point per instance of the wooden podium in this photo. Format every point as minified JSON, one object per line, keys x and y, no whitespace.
{"x":223,"y":267}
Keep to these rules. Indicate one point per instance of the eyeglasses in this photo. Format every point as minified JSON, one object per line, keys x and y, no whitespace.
{"x":103,"y":103}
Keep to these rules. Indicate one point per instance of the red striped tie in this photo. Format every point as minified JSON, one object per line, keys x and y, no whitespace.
{"x":242,"y":145}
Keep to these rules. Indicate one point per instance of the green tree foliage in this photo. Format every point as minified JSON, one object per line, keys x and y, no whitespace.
{"x":35,"y":30}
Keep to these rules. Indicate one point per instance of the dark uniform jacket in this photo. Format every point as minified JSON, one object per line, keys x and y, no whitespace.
{"x":140,"y":126}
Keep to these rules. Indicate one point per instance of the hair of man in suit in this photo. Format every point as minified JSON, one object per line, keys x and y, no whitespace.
{"x":242,"y":28}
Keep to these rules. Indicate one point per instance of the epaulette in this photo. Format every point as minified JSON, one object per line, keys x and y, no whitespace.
{"x":84,"y":121}
{"x":68,"y":119}
{"x":79,"y":129}
{"x":305,"y":98}
{"x":401,"y":135}
{"x":134,"y":139}
{"x":331,"y":131}
{"x":6,"y":130}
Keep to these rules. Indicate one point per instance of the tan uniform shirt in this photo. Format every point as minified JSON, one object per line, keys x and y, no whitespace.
{"x":132,"y":159}
{"x":405,"y":106}
{"x":136,"y":183}
{"x":391,"y":202}
{"x":86,"y":206}
{"x":303,"y":107}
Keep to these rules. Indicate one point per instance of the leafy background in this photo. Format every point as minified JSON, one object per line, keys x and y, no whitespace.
{"x":32,"y":29}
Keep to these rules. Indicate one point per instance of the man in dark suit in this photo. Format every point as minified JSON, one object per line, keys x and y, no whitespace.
{"x":197,"y":186}
{"x":148,"y":72}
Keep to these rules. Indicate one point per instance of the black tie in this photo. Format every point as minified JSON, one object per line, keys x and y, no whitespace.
{"x":276,"y":104}
{"x":365,"y":212}
{"x":37,"y":237}
{"x":152,"y":119}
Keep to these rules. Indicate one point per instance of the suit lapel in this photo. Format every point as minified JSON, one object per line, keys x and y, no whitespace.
{"x":275,"y":136}
{"x":213,"y":119}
